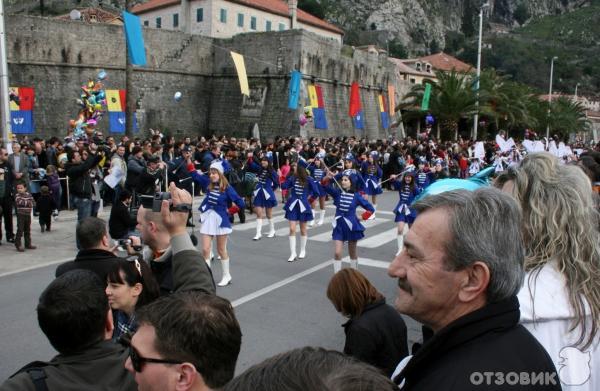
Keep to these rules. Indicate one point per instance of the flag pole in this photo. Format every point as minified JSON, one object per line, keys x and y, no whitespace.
{"x":5,"y":109}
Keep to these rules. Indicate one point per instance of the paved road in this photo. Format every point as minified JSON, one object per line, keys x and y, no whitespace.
{"x":279,"y":305}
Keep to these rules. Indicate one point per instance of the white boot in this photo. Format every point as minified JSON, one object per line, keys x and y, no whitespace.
{"x":303,"y":240}
{"x":354,"y":263}
{"x":400,"y":244}
{"x":312,"y":222}
{"x":226,"y":279}
{"x":258,"y":229}
{"x":271,"y":229}
{"x":292,"y":257}
{"x":321,"y":217}
{"x":337,"y":266}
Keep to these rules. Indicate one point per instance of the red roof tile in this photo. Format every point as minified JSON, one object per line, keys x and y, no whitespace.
{"x":278,"y":7}
{"x":446,"y":62}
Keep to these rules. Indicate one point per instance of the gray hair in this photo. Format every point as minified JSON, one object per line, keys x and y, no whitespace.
{"x":484,"y":225}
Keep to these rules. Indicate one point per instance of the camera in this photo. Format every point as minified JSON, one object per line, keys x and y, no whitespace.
{"x":127,"y":242}
{"x":155,"y":202}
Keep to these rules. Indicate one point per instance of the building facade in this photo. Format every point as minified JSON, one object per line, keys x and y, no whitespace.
{"x":226,"y":18}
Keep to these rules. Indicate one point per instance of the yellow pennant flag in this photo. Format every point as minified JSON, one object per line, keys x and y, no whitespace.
{"x":13,"y":105}
{"x":392,"y":99}
{"x":113,"y":100}
{"x":238,"y":60}
{"x":312,"y":95}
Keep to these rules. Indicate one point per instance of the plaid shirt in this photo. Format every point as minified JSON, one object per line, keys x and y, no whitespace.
{"x":124,"y":324}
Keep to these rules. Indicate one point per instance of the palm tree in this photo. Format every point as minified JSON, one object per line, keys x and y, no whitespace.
{"x":451,"y":99}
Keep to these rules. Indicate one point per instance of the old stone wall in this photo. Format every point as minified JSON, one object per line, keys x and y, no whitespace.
{"x":56,"y":57}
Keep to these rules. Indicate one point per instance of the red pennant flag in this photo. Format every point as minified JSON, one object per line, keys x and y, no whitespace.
{"x":355,"y":106}
{"x":123,"y":99}
{"x":27,"y":98}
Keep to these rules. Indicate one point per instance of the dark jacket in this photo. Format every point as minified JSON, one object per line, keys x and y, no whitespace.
{"x":95,"y":260}
{"x":6,"y":180}
{"x":80,"y":182}
{"x":378,"y":337}
{"x":99,"y":367}
{"x":120,"y":221}
{"x":488,"y":340}
{"x":148,"y":180}
{"x":135,"y":167}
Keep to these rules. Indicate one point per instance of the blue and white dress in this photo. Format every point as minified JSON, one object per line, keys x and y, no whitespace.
{"x":346,"y":226}
{"x":297,"y":207}
{"x":264,"y":194}
{"x":403,"y":210}
{"x":318,"y":174}
{"x":372,"y":174}
{"x":424,"y":179}
{"x":214,"y":217}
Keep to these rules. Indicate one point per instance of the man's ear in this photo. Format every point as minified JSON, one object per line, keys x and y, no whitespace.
{"x":189,"y":378}
{"x":475,"y":282}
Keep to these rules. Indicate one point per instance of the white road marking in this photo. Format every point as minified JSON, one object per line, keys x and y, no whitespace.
{"x":379,"y":239}
{"x":33,"y":267}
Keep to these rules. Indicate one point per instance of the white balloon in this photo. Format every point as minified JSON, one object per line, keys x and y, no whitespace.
{"x":177,"y":96}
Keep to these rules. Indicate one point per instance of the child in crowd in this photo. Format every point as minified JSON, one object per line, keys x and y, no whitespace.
{"x":54,"y":186}
{"x":45,"y":206}
{"x":24,"y":203}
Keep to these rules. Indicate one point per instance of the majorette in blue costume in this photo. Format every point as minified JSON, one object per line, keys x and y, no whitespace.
{"x":264,"y":194}
{"x":317,"y":171}
{"x":297,"y":208}
{"x":346,"y":226}
{"x":372,"y":173}
{"x":423,"y":176}
{"x":214,"y":213}
{"x":405,"y":215}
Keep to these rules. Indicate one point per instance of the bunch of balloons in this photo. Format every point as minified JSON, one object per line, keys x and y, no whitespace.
{"x":92,"y":102}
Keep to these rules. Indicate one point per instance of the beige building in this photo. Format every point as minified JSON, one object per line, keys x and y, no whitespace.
{"x":226,"y":18}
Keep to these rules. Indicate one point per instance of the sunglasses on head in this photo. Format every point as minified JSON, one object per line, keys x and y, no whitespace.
{"x":137,"y":360}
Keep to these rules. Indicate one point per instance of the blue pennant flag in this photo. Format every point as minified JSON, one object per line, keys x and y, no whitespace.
{"x":117,"y":122}
{"x":358,"y":120}
{"x":134,"y":38}
{"x":385,"y":120}
{"x":21,"y":121}
{"x":319,"y":118}
{"x":294,"y":96}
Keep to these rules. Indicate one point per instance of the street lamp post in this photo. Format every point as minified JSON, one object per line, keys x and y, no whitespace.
{"x":550,"y":102}
{"x":476,"y":119}
{"x":576,"y":85}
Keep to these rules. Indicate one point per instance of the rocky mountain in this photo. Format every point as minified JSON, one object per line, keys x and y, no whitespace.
{"x":421,"y":25}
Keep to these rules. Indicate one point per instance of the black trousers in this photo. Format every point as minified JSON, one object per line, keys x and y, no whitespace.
{"x":7,"y":207}
{"x":23,"y":230}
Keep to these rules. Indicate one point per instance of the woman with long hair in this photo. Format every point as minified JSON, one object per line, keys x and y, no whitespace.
{"x":408,"y":190}
{"x":372,"y":174}
{"x":375,"y":331}
{"x":264,"y":195}
{"x":215,"y":214}
{"x":560,"y":300}
{"x":346,"y":227}
{"x":129,"y":286}
{"x":297,"y":208}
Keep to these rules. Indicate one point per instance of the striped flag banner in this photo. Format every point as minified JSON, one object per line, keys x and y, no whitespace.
{"x":385,"y":121}
{"x":21,"y":110}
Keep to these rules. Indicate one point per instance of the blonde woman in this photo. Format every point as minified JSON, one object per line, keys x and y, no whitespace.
{"x":560,"y":300}
{"x":214,"y":213}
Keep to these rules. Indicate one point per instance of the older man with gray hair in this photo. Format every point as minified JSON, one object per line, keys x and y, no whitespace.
{"x":459,"y":273}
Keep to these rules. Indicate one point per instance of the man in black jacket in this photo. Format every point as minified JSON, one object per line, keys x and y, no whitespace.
{"x":73,"y":313}
{"x":96,"y":253}
{"x":6,"y":191}
{"x":80,"y":182}
{"x":120,"y":222}
{"x":459,"y":274}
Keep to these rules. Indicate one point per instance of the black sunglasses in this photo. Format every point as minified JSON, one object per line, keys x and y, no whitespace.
{"x":137,"y":360}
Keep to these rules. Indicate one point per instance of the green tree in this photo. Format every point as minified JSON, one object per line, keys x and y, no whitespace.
{"x":452,"y":99}
{"x":397,"y":49}
{"x":522,"y":14}
{"x":313,"y":7}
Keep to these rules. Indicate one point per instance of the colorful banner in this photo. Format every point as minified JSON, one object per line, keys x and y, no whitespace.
{"x":385,"y":121}
{"x":21,"y":110}
{"x":115,"y":100}
{"x":392,"y":100}
{"x":357,"y":120}
{"x":320,"y":118}
{"x":240,"y":67}
{"x":294,"y":92}
{"x":426,"y":96}
{"x":355,"y":105}
{"x":134,"y":38}
{"x":312,"y":96}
